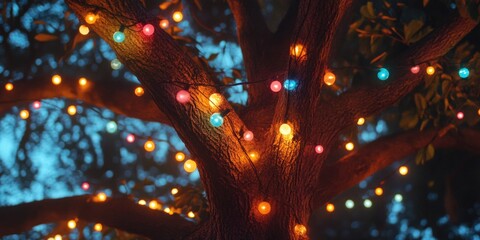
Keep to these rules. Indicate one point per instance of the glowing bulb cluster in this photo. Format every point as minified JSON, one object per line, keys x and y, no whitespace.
{"x":264,"y":208}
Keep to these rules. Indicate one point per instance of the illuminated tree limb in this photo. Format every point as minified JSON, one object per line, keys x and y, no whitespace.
{"x":120,"y":213}
{"x":372,"y":157}
{"x":117,"y":96}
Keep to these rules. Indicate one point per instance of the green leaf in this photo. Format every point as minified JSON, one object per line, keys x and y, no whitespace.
{"x":410,"y":29}
{"x":44,"y":37}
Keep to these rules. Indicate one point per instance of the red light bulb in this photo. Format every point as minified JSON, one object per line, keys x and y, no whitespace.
{"x":183,"y":96}
{"x":148,"y":29}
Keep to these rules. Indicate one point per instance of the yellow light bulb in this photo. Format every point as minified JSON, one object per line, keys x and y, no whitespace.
{"x":190,"y":166}
{"x":24,"y":114}
{"x":149,"y":145}
{"x":300,"y":230}
{"x":98,"y":227}
{"x":56,"y":79}
{"x":139,"y":91}
{"x":71,"y":110}
{"x":215,"y":100}
{"x":180,"y":156}
{"x":361,"y":121}
{"x":254,"y":155}
{"x":82,"y":81}
{"x":58,"y":237}
{"x":298,"y":50}
{"x":9,"y":86}
{"x":264,"y":208}
{"x":154,"y":205}
{"x":285,"y":129}
{"x":174,"y":191}
{"x":329,"y":78}
{"x":430,"y":70}
{"x":142,"y":202}
{"x":330,"y":207}
{"x":478,"y":112}
{"x":84,"y":30}
{"x":177,"y":16}
{"x":72,"y":224}
{"x":101,"y":197}
{"x":167,"y":210}
{"x":378,"y":191}
{"x":403,"y":170}
{"x":191,"y":214}
{"x":91,"y":18}
{"x":349,"y":146}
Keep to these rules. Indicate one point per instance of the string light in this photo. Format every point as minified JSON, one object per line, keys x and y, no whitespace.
{"x":285,"y":129}
{"x":130,"y":138}
{"x":248,"y":136}
{"x":9,"y":86}
{"x":111,"y":127}
{"x":85,"y":186}
{"x":319,"y":149}
{"x":329,"y":78}
{"x":149,"y":145}
{"x":276,"y":86}
{"x":148,"y":29}
{"x":177,"y":16}
{"x":174,"y":191}
{"x":24,"y":114}
{"x":91,"y":18}
{"x":330,"y":207}
{"x":82,"y":81}
{"x":403,"y":170}
{"x":191,"y":214}
{"x":463,"y":72}
{"x":56,"y":79}
{"x":254,"y":155}
{"x":119,"y":36}
{"x":101,"y":197}
{"x":300,"y":230}
{"x":361,"y":121}
{"x":98,"y":227}
{"x":115,"y":64}
{"x":264,"y":208}
{"x":216,"y":120}
{"x":398,"y":197}
{"x":383,"y":74}
{"x":37,"y":104}
{"x":71,"y":224}
{"x":290,"y":84}
{"x":349,"y":204}
{"x":430,"y":70}
{"x":379,"y":191}
{"x":139,"y":91}
{"x":183,"y":96}
{"x":297,"y":50}
{"x":154,"y":205}
{"x":142,"y":202}
{"x":367,"y":203}
{"x":84,"y":30}
{"x":190,"y":166}
{"x":179,"y":156}
{"x":349,"y":146}
{"x":71,"y":110}
{"x":460,"y":115}
{"x":415,"y":69}
{"x":215,"y":100}
{"x":163,"y":23}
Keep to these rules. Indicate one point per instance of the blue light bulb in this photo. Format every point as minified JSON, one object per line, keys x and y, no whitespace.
{"x":216,"y":120}
{"x":118,"y":37}
{"x":383,"y":74}
{"x":463,"y":72}
{"x":290,"y":84}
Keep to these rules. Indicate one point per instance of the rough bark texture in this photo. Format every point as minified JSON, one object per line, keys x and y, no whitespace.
{"x":289,"y":175}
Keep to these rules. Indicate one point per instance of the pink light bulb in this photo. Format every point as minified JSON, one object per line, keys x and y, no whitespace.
{"x":130,"y":138}
{"x":276,"y":86}
{"x":183,"y":96}
{"x":37,"y":104}
{"x":85,"y":186}
{"x":460,"y":115}
{"x":415,"y":69}
{"x":148,"y":29}
{"x":248,"y":136}
{"x":319,"y":149}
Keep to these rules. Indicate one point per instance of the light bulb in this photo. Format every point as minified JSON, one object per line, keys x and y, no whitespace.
{"x":398,"y":197}
{"x":298,"y":50}
{"x":367,"y":203}
{"x":98,"y":227}
{"x":319,"y":149}
{"x":71,"y":224}
{"x":84,"y":30}
{"x":415,"y":69}
{"x":460,"y":115}
{"x":85,"y":186}
{"x":142,"y":202}
{"x":153,"y":204}
{"x":264,"y":208}
{"x":82,"y":81}
{"x":71,"y":110}
{"x":58,"y":237}
{"x":180,"y":156}
{"x":276,"y":86}
{"x":148,"y":29}
{"x":403,"y":170}
{"x":216,"y":120}
{"x":330,"y":207}
{"x":174,"y":191}
{"x":285,"y":129}
{"x":191,"y":214}
{"x":248,"y":136}
{"x":329,"y":78}
{"x":24,"y":114}
{"x":300,"y":230}
{"x":290,"y":84}
{"x":91,"y":18}
{"x":361,"y":121}
{"x":37,"y":104}
{"x":183,"y":96}
{"x":9,"y":86}
{"x":149,"y":145}
{"x":430,"y":70}
{"x":56,"y":79}
{"x":163,"y":23}
{"x":111,"y":127}
{"x":349,"y":203}
{"x":139,"y":91}
{"x":190,"y":166}
{"x":130,"y":138}
{"x":254,"y":155}
{"x":177,"y":16}
{"x":463,"y":72}
{"x":383,"y":74}
{"x":379,"y":191}
{"x":115,"y":64}
{"x":119,"y":36}
{"x":349,"y":146}
{"x":101,"y":197}
{"x":215,"y":100}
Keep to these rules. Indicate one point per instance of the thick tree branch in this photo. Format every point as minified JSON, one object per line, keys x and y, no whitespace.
{"x":372,"y":157}
{"x":117,"y":96}
{"x":365,"y":101}
{"x":120,"y":213}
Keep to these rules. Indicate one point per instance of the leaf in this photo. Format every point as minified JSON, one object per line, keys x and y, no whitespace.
{"x":378,"y":57}
{"x":44,"y":37}
{"x":409,"y":120}
{"x":420,"y":102}
{"x":429,"y":152}
{"x":212,"y":56}
{"x":236,"y":73}
{"x":424,"y":124}
{"x":367,"y":11}
{"x":198,"y":4}
{"x":420,"y":157}
{"x":39,"y":22}
{"x":410,"y":29}
{"x":165,"y":5}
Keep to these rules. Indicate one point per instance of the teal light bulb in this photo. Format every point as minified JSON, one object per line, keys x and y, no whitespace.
{"x":383,"y":74}
{"x":216,"y":120}
{"x":119,"y":37}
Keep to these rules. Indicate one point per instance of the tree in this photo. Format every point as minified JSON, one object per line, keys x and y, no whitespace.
{"x":291,"y":175}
